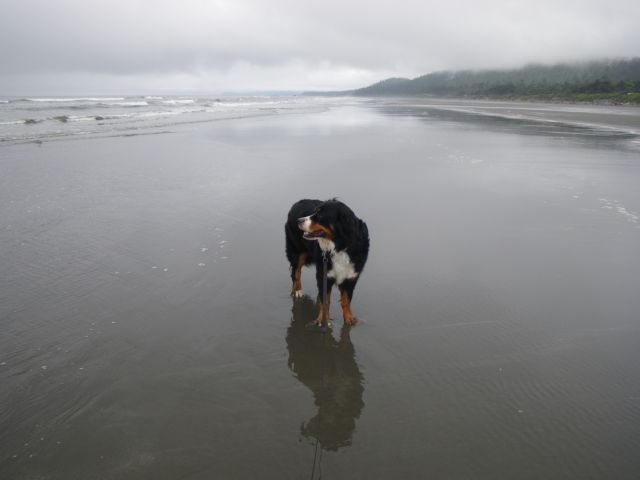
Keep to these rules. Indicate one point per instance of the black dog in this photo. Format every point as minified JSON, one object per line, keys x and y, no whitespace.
{"x":315,"y":228}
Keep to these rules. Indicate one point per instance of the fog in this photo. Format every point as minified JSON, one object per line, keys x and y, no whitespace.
{"x":220,"y":45}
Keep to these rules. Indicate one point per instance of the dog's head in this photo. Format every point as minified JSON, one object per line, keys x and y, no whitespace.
{"x":329,"y":220}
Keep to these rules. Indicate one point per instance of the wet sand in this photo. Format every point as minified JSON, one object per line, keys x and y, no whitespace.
{"x":148,"y":332}
{"x":622,"y":118}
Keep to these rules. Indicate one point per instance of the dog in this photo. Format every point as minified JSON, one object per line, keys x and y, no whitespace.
{"x":317,"y":229}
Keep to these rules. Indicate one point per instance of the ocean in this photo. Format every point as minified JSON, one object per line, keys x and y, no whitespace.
{"x":37,"y":119}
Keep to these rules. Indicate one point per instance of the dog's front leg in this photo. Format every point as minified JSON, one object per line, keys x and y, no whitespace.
{"x":296,"y":276}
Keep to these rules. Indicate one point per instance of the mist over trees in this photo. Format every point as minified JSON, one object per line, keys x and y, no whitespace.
{"x":612,"y":80}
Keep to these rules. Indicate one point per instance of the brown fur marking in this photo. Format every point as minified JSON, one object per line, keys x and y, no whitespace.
{"x":297,"y":282}
{"x":319,"y":317}
{"x":345,"y":302}
{"x":328,"y":233}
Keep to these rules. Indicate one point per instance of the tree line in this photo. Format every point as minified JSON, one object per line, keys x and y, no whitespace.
{"x":613,"y":80}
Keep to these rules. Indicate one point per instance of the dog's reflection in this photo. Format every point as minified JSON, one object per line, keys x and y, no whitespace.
{"x":328,"y":368}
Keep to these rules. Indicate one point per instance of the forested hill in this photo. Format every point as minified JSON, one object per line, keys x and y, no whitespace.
{"x":614,"y":80}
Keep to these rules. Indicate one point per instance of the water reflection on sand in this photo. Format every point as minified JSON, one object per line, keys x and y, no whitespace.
{"x":328,"y":368}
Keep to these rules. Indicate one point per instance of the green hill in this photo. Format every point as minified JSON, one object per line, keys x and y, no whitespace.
{"x":616,"y":81}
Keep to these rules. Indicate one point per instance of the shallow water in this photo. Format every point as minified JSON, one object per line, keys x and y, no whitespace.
{"x":148,"y":332}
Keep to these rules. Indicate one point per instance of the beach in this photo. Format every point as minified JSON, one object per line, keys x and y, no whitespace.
{"x":148,"y":329}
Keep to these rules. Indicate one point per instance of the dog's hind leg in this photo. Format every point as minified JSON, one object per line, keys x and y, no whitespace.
{"x":320,"y":315}
{"x":320,"y":281}
{"x":346,"y":294}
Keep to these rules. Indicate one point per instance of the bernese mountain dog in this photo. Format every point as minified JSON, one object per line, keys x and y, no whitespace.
{"x":317,"y":229}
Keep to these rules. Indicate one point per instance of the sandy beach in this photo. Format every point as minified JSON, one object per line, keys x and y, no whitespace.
{"x":620,"y":118}
{"x":148,"y":331}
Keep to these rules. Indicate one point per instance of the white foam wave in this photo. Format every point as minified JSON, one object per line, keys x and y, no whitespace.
{"x":72,"y":116}
{"x":75,"y":118}
{"x":148,"y":114}
{"x":248,"y":104}
{"x":78,"y":99}
{"x":157,"y":113}
{"x":185,"y":101}
{"x":140,"y":103}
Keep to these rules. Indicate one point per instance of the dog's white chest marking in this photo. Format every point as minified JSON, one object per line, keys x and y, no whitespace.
{"x":342,"y":268}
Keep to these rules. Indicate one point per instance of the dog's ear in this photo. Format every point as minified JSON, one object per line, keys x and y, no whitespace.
{"x":346,"y":226}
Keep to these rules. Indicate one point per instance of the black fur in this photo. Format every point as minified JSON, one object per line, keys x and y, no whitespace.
{"x":350,"y":234}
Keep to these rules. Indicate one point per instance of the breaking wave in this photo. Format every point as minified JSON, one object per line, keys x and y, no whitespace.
{"x":45,"y":118}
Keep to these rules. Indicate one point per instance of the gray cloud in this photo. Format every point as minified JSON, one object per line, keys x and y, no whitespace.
{"x":254,"y":44}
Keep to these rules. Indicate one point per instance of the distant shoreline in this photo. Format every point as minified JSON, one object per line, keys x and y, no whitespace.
{"x":630,"y":99}
{"x":633,"y":99}
{"x":624,"y":118}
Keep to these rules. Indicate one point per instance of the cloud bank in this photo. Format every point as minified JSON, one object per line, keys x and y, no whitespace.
{"x":224,"y":45}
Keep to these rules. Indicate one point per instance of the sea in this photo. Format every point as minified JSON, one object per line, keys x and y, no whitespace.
{"x":47,"y":118}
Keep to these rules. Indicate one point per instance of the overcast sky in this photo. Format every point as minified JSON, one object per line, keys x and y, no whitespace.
{"x":140,"y":46}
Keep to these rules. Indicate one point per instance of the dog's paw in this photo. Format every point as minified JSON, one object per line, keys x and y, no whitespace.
{"x":297,"y":294}
{"x":350,"y":320}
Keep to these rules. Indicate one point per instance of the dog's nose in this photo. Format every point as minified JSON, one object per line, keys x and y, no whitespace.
{"x":301,"y":222}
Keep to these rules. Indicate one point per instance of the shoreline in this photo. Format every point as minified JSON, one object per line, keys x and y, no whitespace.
{"x":624,"y":118}
{"x":597,"y":100}
{"x":520,"y":99}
